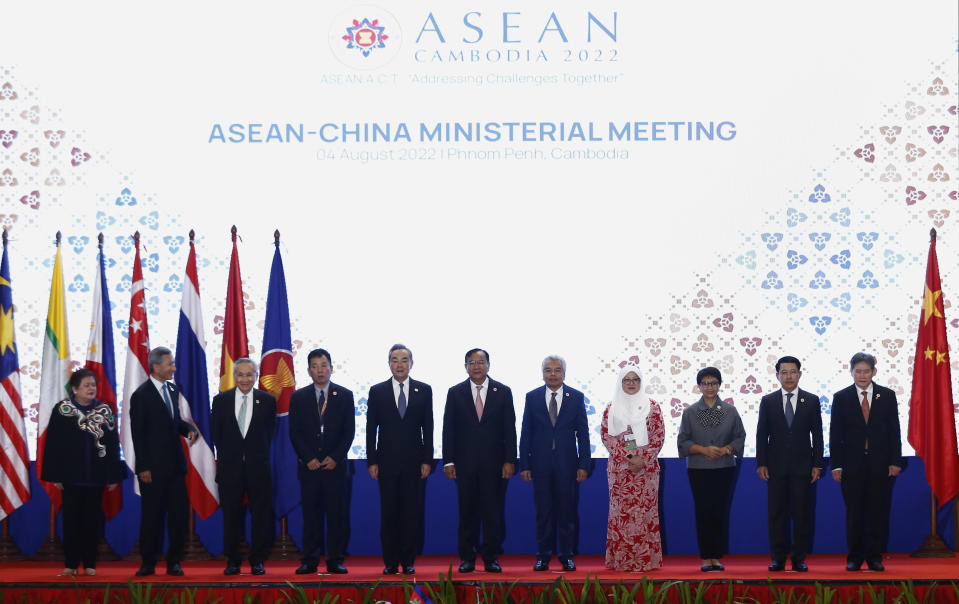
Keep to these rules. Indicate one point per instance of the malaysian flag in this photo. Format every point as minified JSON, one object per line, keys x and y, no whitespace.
{"x":14,"y":459}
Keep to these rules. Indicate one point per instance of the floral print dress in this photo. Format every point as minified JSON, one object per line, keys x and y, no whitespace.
{"x":632,"y":534}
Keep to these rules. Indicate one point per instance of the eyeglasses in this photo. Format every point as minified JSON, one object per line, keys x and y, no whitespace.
{"x":475,"y":363}
{"x":709,"y":384}
{"x":631,"y":380}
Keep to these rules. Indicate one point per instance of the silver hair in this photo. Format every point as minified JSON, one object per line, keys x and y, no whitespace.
{"x":156,"y":356}
{"x":398,"y":346}
{"x":555,"y":357}
{"x":256,"y":368}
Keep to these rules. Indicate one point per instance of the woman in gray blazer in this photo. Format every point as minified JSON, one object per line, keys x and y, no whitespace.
{"x":711,"y":437}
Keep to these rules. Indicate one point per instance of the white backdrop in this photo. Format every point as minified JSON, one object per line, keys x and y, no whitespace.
{"x":595,"y":259}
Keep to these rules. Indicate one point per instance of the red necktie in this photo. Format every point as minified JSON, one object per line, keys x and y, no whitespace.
{"x":479,"y":404}
{"x":865,"y":412}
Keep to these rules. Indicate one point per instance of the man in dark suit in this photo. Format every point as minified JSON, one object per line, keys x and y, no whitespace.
{"x":243,"y":420}
{"x":156,"y":428}
{"x":322,"y":426}
{"x":479,"y":451}
{"x":789,"y":451}
{"x":399,"y":453}
{"x":554,"y":453}
{"x":866,"y":450}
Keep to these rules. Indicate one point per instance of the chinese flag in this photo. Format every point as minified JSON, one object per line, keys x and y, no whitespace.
{"x":932,"y":420}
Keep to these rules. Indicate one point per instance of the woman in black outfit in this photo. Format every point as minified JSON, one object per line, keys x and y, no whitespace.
{"x":82,"y":455}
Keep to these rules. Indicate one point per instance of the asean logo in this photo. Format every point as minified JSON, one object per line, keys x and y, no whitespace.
{"x":365,"y":35}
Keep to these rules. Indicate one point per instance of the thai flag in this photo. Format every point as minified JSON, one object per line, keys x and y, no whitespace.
{"x":101,"y":362}
{"x":276,"y":377}
{"x":194,"y":400}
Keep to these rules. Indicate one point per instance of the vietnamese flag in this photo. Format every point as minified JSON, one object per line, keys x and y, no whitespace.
{"x":235,"y":343}
{"x":932,"y":420}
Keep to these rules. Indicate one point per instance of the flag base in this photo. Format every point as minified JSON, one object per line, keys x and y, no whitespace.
{"x":193,"y":549}
{"x":134,"y":554}
{"x":933,"y":547}
{"x":50,"y":551}
{"x":9,"y":552}
{"x":105,"y":553}
{"x":285,"y":548}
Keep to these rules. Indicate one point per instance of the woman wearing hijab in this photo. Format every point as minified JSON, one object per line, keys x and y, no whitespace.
{"x":711,"y":437}
{"x":81,"y":456}
{"x":633,"y":433}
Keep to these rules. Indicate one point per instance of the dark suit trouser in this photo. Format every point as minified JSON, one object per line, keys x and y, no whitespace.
{"x":865,"y":498}
{"x":401,"y":512}
{"x":711,"y":492}
{"x":163,"y":500}
{"x":480,"y":497}
{"x":554,"y":495}
{"x":789,"y":496}
{"x":82,"y":524}
{"x":260,"y":498}
{"x":323,"y":492}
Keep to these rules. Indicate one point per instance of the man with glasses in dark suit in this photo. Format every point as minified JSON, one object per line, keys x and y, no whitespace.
{"x":479,"y":452}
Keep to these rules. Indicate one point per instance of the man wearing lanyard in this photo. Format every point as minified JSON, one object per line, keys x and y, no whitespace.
{"x":322,"y":426}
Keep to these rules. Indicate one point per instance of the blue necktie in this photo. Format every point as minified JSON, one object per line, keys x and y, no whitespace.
{"x":401,"y":403}
{"x":789,"y":409}
{"x":166,"y":399}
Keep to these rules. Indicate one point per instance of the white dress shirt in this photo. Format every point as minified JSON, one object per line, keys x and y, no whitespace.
{"x":244,"y":423}
{"x":795,"y":400}
{"x":396,"y":391}
{"x":161,"y":386}
{"x":559,"y":399}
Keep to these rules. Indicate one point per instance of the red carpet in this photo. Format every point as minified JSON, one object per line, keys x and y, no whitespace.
{"x":748,"y":574}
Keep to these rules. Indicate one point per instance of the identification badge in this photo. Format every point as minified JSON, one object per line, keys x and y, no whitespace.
{"x":630,"y":440}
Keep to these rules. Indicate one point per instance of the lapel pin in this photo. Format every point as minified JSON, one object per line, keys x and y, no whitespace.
{"x":567,"y":394}
{"x":494,"y":389}
{"x":334,"y":393}
{"x":802,"y":400}
{"x":416,"y":389}
{"x":877,"y":395}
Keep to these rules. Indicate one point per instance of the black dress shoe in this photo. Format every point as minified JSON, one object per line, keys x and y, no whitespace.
{"x":257,"y":569}
{"x":231,"y":569}
{"x":853,"y":565}
{"x":306,"y":569}
{"x":336,"y":568}
{"x":706,"y":568}
{"x":409,"y":569}
{"x":775,"y":567}
{"x":541,"y":565}
{"x":492,"y":566}
{"x":467,"y":566}
{"x":174,"y":570}
{"x":390,"y":570}
{"x":717,"y":568}
{"x":568,"y":564}
{"x":875,"y":565}
{"x":800,"y":567}
{"x":145,"y":571}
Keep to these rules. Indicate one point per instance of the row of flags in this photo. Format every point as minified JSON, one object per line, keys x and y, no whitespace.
{"x":931,"y":433}
{"x":276,"y":377}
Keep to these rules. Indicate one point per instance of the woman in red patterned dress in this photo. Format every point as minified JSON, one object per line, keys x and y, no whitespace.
{"x":633,"y":432}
